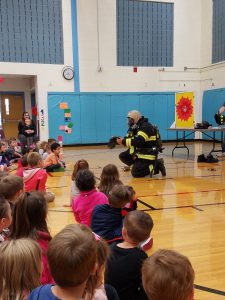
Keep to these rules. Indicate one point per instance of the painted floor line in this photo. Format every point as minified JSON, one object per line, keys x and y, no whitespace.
{"x":209,"y":290}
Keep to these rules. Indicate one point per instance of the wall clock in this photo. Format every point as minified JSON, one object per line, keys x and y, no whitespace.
{"x":68,"y":73}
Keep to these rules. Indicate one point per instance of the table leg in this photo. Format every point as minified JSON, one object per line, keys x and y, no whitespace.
{"x":182,"y":140}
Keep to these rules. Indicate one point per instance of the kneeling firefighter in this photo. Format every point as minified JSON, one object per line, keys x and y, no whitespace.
{"x":143,"y":143}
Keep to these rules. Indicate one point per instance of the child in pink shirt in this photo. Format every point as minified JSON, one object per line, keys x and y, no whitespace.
{"x":88,"y":198}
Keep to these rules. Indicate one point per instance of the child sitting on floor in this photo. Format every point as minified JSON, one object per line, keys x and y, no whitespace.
{"x":168,"y":275}
{"x":109,"y":177}
{"x":96,"y":289}
{"x":3,"y":157}
{"x":44,"y":149}
{"x":72,"y":259}
{"x":107,"y":219}
{"x":88,"y":198}
{"x":29,"y":221}
{"x":11,"y":187}
{"x":35,"y":176}
{"x":52,"y":162}
{"x":123,"y":269}
{"x":79,"y":165}
{"x":13,"y":153}
{"x":20,"y":268}
{"x":22,"y":165}
{"x":5,"y":218}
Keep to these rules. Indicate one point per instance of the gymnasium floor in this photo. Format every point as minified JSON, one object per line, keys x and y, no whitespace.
{"x":188,"y":207}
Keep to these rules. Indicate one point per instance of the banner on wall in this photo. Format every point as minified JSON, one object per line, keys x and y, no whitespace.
{"x":184,"y":110}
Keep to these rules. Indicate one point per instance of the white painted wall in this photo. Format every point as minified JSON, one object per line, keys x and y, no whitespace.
{"x":49,"y":77}
{"x":187,"y":52}
{"x":212,"y":76}
{"x":192,"y":49}
{"x":187,"y":17}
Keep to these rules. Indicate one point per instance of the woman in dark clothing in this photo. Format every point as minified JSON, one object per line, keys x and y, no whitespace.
{"x":24,"y":131}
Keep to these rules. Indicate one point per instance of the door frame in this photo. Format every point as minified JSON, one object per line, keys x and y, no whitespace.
{"x":10,"y":93}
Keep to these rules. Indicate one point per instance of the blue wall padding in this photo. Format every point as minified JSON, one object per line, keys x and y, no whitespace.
{"x":212,"y":101}
{"x":99,"y":116}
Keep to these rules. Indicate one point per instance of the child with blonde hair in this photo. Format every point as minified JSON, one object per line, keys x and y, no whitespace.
{"x":168,"y":275}
{"x":72,"y":259}
{"x":5,"y":218}
{"x":81,"y":164}
{"x":20,"y":268}
{"x":96,"y":289}
{"x":44,"y":149}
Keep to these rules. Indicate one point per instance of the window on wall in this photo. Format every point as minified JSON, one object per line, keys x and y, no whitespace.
{"x":218,"y":31}
{"x":144,"y":33}
{"x":31,"y":31}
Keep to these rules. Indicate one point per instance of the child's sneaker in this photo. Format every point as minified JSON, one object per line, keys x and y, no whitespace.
{"x":126,"y":168}
{"x":146,"y":245}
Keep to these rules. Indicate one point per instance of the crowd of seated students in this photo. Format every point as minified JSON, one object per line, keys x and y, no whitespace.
{"x":101,"y":257}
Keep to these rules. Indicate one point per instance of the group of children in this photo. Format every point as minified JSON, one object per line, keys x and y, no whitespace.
{"x":102,"y":257}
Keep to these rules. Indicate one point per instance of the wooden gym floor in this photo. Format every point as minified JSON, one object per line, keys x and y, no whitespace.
{"x":188,"y":207}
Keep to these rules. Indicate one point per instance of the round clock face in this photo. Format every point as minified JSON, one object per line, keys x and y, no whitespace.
{"x":68,"y":73}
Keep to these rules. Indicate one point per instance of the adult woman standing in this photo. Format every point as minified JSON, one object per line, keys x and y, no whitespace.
{"x":24,"y":131}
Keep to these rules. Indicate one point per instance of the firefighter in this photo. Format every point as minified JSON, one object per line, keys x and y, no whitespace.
{"x":141,"y":141}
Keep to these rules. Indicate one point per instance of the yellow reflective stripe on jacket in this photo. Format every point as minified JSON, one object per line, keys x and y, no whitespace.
{"x":151,"y":168}
{"x":146,"y":156}
{"x":128,"y":143}
{"x":146,"y":137}
{"x":131,"y":149}
{"x":152,"y":138}
{"x":143,"y":134}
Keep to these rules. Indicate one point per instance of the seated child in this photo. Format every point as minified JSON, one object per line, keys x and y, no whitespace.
{"x":21,"y":166}
{"x":96,"y":289}
{"x":52,"y":162}
{"x":107,"y":219}
{"x":88,"y":199}
{"x":3,"y":157}
{"x":71,"y":267}
{"x":44,"y":150}
{"x":109,"y":177}
{"x":5,"y":218}
{"x":168,"y":275}
{"x":13,"y":152}
{"x":123,"y":270}
{"x":29,"y":132}
{"x":29,"y":221}
{"x":79,"y":165}
{"x":11,"y":187}
{"x":20,"y":268}
{"x":51,"y":141}
{"x":35,"y":176}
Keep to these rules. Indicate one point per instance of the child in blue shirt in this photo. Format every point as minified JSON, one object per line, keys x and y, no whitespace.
{"x":71,"y":256}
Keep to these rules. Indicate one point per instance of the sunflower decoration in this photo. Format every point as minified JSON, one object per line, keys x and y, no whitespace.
{"x":184,"y":109}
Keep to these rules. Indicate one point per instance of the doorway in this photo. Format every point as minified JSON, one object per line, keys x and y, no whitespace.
{"x":12,"y":107}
